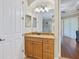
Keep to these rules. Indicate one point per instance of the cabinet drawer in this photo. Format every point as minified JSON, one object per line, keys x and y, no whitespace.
{"x":50,"y":45}
{"x":48,"y":41}
{"x":36,"y":39}
{"x":45,"y":41}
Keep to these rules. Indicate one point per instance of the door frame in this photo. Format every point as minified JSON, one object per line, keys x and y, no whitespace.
{"x":58,"y":29}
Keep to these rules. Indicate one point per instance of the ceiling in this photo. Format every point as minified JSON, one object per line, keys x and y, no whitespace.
{"x":67,"y":6}
{"x":30,"y":2}
{"x":38,"y":3}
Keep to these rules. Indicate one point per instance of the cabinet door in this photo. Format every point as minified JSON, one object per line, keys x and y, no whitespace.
{"x":48,"y":49}
{"x":37,"y":50}
{"x":28,"y":48}
{"x":48,"y":56}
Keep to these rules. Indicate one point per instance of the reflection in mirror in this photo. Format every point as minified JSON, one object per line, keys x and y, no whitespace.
{"x":47,"y":23}
{"x":27,"y":21}
{"x":42,"y":16}
{"x":34,"y":22}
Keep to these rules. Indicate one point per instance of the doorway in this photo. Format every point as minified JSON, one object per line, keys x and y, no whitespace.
{"x":47,"y":25}
{"x":69,"y":17}
{"x":39,"y":17}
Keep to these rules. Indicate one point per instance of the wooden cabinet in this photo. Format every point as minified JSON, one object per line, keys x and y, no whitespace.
{"x":48,"y":49}
{"x":39,"y":48}
{"x":28,"y":47}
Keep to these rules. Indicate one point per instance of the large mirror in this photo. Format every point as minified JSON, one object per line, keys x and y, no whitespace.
{"x":42,"y":16}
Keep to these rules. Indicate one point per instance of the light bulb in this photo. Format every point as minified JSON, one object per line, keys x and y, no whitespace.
{"x":37,"y":10}
{"x":41,"y":10}
{"x":46,"y":9}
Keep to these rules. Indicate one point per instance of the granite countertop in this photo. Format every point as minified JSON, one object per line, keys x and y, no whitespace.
{"x":42,"y":36}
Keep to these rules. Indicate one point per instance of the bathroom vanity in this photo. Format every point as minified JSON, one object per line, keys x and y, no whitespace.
{"x":39,"y":45}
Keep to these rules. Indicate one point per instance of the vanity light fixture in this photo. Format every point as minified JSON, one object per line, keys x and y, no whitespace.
{"x":42,"y":9}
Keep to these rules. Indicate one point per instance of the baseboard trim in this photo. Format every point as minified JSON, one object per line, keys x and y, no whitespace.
{"x":68,"y":37}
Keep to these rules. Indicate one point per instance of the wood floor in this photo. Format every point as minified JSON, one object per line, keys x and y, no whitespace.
{"x":69,"y":48}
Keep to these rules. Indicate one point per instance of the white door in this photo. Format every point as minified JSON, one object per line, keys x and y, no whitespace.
{"x":10,"y":29}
